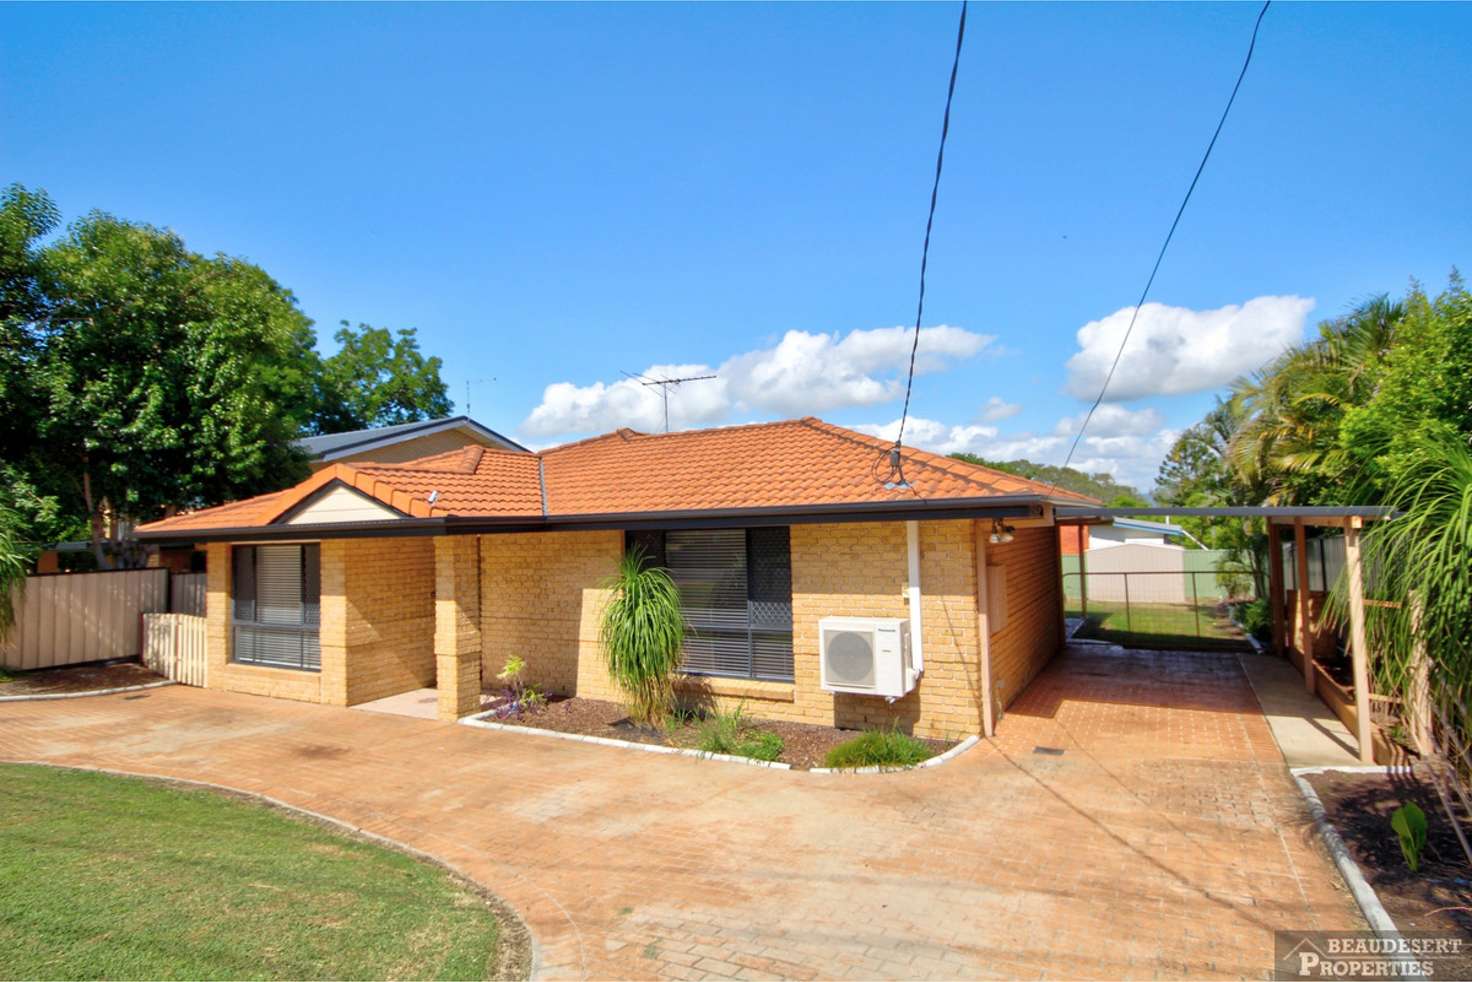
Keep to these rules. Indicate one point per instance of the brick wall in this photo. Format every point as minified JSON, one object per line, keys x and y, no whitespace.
{"x":1033,"y":631}
{"x":387,"y":611}
{"x":540,"y":599}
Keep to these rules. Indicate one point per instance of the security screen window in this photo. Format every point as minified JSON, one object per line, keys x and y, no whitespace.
{"x":275,"y":606}
{"x":736,"y":594}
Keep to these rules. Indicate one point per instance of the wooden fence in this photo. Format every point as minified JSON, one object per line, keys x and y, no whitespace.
{"x":173,"y":646}
{"x":68,"y":618}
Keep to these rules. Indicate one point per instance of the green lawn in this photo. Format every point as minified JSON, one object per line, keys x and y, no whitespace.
{"x":108,"y":877}
{"x":1156,"y":625}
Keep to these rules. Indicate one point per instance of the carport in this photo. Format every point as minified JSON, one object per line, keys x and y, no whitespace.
{"x":1295,"y":521}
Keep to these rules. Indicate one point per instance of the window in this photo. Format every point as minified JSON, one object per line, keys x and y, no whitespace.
{"x":736,"y":594}
{"x":275,"y":607}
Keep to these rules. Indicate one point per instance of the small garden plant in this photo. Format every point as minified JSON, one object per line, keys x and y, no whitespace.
{"x":1409,"y":823}
{"x":732,"y":733}
{"x":520,"y":696}
{"x":642,"y":633}
{"x":879,"y":748}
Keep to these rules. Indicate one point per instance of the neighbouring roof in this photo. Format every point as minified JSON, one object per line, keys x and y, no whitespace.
{"x":796,"y":466}
{"x":1140,"y":525}
{"x":333,"y":446}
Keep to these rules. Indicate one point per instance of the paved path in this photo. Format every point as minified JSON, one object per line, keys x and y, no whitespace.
{"x":1307,"y":732}
{"x":1165,"y":839}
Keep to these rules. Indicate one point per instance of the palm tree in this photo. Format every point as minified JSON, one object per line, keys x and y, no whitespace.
{"x":1289,"y":438}
{"x":642,"y":634}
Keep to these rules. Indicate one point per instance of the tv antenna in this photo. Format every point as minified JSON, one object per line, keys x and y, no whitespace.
{"x":664,"y":388}
{"x":468,"y":383}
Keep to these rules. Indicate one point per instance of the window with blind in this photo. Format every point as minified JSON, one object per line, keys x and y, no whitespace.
{"x":736,"y":594}
{"x":275,"y":606}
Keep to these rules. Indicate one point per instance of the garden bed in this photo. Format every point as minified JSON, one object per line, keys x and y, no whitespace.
{"x":804,"y":746}
{"x":75,"y":679}
{"x":1439,"y":896}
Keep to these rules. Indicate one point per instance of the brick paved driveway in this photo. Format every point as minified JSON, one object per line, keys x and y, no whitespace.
{"x":1165,"y":840}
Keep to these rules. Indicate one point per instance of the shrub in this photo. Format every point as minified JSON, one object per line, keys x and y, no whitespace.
{"x":642,"y":632}
{"x":1256,"y":619}
{"x":731,"y":733}
{"x":15,"y":558}
{"x":879,"y":748}
{"x":521,"y":696}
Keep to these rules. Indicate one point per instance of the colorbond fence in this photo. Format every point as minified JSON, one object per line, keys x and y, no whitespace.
{"x":68,"y":618}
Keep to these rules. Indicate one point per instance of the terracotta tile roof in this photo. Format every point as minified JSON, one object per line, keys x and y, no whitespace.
{"x":791,"y":463}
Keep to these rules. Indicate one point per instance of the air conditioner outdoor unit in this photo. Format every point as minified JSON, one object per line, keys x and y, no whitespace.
{"x":866,"y":655}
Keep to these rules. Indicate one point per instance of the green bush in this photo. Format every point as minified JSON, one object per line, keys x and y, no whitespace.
{"x":642,"y":633}
{"x":879,"y":748}
{"x":731,"y":733}
{"x":1256,"y":619}
{"x":1409,"y":823}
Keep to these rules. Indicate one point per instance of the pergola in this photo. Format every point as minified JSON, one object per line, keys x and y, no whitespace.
{"x":1352,"y":520}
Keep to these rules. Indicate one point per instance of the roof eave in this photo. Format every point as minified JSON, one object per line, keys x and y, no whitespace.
{"x":921,"y":509}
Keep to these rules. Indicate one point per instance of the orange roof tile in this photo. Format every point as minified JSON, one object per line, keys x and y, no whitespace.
{"x":787,"y":464}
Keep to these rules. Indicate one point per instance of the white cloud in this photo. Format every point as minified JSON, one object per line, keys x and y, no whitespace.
{"x":1129,"y":446}
{"x":803,"y":373}
{"x":928,"y":434}
{"x":1175,"y":350}
{"x":1113,"y":420}
{"x":998,"y":409}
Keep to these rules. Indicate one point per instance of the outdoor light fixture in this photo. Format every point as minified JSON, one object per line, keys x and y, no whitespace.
{"x":1001,"y":534}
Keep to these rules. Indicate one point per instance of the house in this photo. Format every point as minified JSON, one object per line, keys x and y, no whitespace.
{"x":1124,"y":532}
{"x":381,"y":444}
{"x":402,"y":442}
{"x":371,"y":579}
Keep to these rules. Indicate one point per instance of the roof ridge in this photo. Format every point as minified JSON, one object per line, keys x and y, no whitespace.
{"x":926,"y":458}
{"x":625,"y":432}
{"x":457,"y":461}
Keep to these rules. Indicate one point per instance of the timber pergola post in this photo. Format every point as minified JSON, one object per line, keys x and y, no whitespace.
{"x":1357,"y":640}
{"x":1300,"y":592}
{"x":1275,"y":586}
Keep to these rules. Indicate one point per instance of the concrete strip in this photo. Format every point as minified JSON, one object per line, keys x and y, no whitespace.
{"x":1359,"y":887}
{"x":83,"y":695}
{"x":1307,"y":731}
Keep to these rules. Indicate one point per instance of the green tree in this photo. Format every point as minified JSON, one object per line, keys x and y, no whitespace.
{"x":163,"y":378}
{"x":1101,"y":486}
{"x":378,"y":378}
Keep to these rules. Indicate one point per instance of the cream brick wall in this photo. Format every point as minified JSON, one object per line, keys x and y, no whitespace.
{"x":541,"y":599}
{"x":1034,"y":630}
{"x":388,"y":616}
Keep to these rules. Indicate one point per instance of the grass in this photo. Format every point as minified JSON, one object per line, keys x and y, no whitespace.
{"x":731,"y":733}
{"x":1154,"y":625}
{"x":5,"y":677}
{"x":879,"y":748}
{"x":109,"y":877}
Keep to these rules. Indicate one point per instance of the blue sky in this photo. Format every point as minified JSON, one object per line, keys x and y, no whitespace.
{"x":552,"y":194}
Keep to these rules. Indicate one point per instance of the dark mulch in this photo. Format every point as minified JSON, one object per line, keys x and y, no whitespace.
{"x":75,"y":678}
{"x":803,"y":746}
{"x":1359,"y":806}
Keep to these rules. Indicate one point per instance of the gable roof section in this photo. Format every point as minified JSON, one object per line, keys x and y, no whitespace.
{"x":332,"y":446}
{"x":794,"y":464}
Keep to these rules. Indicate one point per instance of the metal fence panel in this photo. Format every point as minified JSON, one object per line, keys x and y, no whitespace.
{"x":186,"y":593}
{"x":69,"y":618}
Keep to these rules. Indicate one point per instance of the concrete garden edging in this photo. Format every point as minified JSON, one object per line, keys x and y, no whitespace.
{"x":480,"y":722}
{"x":37,"y":697}
{"x":1364,"y":894}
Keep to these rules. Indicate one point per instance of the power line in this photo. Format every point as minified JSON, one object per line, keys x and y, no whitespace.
{"x":1251,"y":46}
{"x":940,"y":158}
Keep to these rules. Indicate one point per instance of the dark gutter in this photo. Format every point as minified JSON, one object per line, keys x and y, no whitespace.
{"x":1234,"y":511}
{"x":1003,"y":506}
